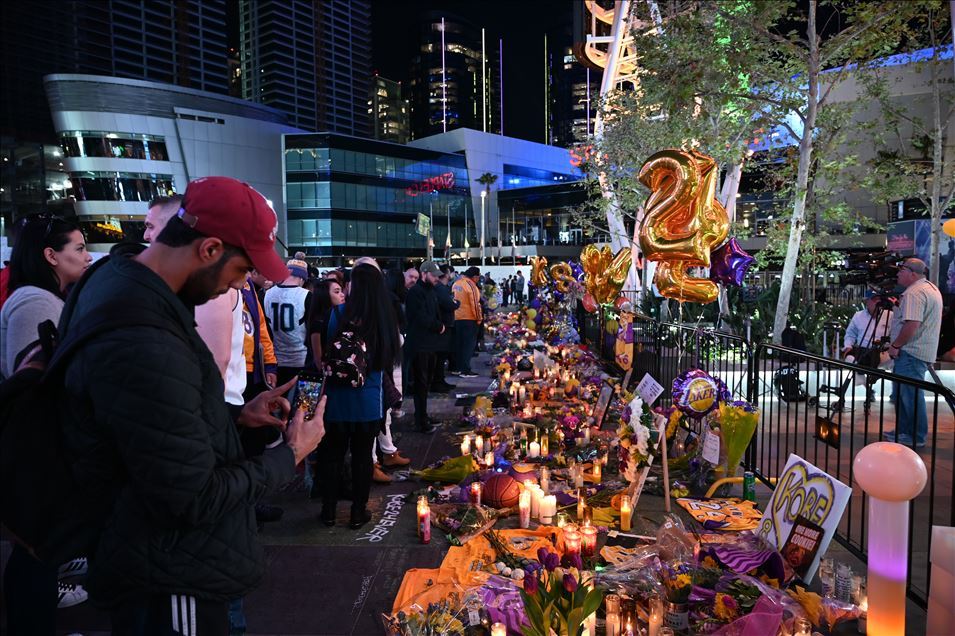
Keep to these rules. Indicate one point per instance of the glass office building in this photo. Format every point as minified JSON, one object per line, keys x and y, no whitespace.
{"x":348,"y":197}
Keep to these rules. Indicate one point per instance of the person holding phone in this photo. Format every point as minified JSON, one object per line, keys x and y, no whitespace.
{"x":355,"y":414}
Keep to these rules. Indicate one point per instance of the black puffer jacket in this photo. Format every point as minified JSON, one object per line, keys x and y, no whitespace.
{"x":160,"y":469}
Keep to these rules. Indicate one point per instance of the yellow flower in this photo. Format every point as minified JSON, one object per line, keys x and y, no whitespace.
{"x":721,"y":610}
{"x":709,"y":562}
{"x":765,"y":579}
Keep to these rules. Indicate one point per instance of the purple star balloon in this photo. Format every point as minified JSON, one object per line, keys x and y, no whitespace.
{"x":728,"y":263}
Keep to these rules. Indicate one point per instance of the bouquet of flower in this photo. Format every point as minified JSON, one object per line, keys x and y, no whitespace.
{"x":463,"y":522}
{"x":446,"y":616}
{"x":635,"y":446}
{"x":738,"y":422}
{"x":677,"y":580}
{"x":554,"y":596}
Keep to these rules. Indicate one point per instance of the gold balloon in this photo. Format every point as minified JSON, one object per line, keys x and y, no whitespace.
{"x":562,"y":275}
{"x":683,"y":222}
{"x":604,"y":273}
{"x":538,"y":271}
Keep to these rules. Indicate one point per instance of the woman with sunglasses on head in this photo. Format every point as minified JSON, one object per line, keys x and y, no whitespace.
{"x":49,"y":255}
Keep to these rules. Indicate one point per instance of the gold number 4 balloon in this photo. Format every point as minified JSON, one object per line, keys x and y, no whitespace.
{"x":683,"y":222}
{"x":605,"y":273}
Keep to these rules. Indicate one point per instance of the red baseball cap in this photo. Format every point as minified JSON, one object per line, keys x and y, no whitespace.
{"x":233,"y":211}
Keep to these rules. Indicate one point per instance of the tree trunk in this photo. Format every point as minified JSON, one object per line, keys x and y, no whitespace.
{"x":798,"y":222}
{"x":936,"y":200}
{"x":728,"y":199}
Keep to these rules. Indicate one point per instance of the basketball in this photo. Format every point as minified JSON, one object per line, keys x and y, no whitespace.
{"x":501,"y":491}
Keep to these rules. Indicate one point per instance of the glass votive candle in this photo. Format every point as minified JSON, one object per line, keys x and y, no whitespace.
{"x":563,"y":519}
{"x":474,"y":493}
{"x":588,"y":544}
{"x":572,"y":540}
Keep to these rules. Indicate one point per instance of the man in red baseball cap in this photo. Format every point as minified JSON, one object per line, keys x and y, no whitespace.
{"x":162,"y":494}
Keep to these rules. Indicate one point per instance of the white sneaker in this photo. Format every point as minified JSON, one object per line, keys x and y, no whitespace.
{"x":71,"y":595}
{"x":76,"y":567}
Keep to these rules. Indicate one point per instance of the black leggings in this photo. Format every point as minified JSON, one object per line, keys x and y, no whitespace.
{"x":339,"y":437}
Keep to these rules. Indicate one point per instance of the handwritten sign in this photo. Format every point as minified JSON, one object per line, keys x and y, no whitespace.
{"x":649,"y":389}
{"x":804,"y":490}
{"x":711,"y":447}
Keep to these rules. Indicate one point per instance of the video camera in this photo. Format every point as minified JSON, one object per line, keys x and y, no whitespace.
{"x":878,"y":271}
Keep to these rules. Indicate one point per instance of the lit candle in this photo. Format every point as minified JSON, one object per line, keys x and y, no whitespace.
{"x":596,"y":473}
{"x":475,"y":495}
{"x":581,"y":503}
{"x":466,"y":445}
{"x":522,"y":395}
{"x":588,"y":542}
{"x":571,"y":541}
{"x":545,"y":445}
{"x":655,"y":620}
{"x":586,"y":435}
{"x":613,"y":615}
{"x":479,"y":444}
{"x":537,"y":373}
{"x":579,"y":477}
{"x":625,"y":513}
{"x":498,"y":629}
{"x":545,"y":480}
{"x":535,"y":450}
{"x":489,"y":459}
{"x":536,"y":496}
{"x":548,"y":509}
{"x":591,"y":624}
{"x":424,"y":519}
{"x":524,"y":505}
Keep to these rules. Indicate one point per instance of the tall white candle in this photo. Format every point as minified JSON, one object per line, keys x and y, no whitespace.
{"x":524,"y":506}
{"x":536,"y":496}
{"x":548,"y":509}
{"x":479,"y":444}
{"x":534,"y":450}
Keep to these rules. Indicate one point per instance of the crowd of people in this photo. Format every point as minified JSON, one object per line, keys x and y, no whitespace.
{"x":177,"y":421}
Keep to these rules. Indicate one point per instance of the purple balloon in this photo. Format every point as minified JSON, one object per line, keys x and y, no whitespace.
{"x":728,"y":263}
{"x":696,"y":393}
{"x":576,"y":271}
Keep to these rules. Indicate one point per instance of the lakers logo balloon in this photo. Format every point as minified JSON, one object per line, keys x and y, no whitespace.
{"x":696,"y":393}
{"x":683,"y":222}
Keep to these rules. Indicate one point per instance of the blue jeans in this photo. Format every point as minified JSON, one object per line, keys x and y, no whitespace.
{"x":910,"y":406}
{"x":465,"y":336}
{"x":237,"y":625}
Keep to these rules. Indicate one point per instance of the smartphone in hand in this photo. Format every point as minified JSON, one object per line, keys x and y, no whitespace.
{"x":307,"y":392}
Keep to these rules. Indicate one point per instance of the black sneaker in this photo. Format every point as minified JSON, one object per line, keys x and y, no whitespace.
{"x":469,"y":374}
{"x":427,"y":429}
{"x":264,"y":513}
{"x":359,"y":520}
{"x":440,"y":388}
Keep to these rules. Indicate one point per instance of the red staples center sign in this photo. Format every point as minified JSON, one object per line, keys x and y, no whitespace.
{"x":427,"y":186}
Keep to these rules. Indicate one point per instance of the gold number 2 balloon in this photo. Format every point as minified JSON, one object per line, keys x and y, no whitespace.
{"x":683,"y":222}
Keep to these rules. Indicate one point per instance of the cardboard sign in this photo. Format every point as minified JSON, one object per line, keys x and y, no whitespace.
{"x":803,"y":490}
{"x":711,"y":447}
{"x":802,"y":545}
{"x":649,"y":389}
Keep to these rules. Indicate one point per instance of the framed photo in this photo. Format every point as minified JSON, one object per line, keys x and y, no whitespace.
{"x":603,"y":401}
{"x":626,"y":379}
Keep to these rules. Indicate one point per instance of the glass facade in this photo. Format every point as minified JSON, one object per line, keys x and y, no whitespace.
{"x":351,"y":197}
{"x":85,"y":143}
{"x":523,"y":177}
{"x":119,"y":186}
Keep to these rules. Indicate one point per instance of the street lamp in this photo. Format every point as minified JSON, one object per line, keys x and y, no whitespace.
{"x":483,"y":197}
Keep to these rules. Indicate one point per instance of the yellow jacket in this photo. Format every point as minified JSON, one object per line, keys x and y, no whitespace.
{"x":467,"y":293}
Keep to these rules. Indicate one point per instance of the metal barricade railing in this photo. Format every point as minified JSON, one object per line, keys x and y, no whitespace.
{"x":825,"y":411}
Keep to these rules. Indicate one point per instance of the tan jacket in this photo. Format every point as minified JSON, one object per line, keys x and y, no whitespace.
{"x":468,"y":294}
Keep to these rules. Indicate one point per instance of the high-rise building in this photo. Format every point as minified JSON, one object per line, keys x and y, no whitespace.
{"x":181,"y":43}
{"x":454,"y":77}
{"x":311,"y":59}
{"x":388,"y":110}
{"x":571,"y":94}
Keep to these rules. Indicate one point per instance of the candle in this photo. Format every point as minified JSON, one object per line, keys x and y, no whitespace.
{"x":475,"y":494}
{"x":537,"y":373}
{"x":424,"y":519}
{"x":626,"y":513}
{"x":562,"y":519}
{"x":581,"y":503}
{"x":545,"y":480}
{"x":591,"y":624}
{"x":545,"y":445}
{"x":478,"y":443}
{"x":524,"y":505}
{"x":586,"y":435}
{"x":498,"y":629}
{"x":535,"y":450}
{"x":802,"y":627}
{"x":466,"y":445}
{"x":579,"y":478}
{"x":596,"y":474}
{"x":572,"y":540}
{"x":613,"y":615}
{"x":656,"y":615}
{"x":548,"y":509}
{"x":489,"y":459}
{"x":588,"y":541}
{"x":536,"y":496}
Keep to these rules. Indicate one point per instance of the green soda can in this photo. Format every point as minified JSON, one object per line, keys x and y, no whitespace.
{"x":749,"y":486}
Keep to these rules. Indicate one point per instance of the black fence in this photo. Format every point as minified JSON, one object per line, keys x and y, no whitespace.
{"x":820,"y":408}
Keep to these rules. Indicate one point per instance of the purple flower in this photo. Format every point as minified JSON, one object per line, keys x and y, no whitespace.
{"x":730,"y":602}
{"x":570,"y":583}
{"x":572,"y":560}
{"x":542,"y":555}
{"x":551,"y":561}
{"x":531,"y":582}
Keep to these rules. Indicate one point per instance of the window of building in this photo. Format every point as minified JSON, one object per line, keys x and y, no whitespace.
{"x":120,"y":186}
{"x":115,"y":145}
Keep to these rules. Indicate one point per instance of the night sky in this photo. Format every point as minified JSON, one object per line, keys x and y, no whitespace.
{"x":522,"y":24}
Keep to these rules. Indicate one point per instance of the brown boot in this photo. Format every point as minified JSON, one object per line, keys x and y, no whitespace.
{"x":380,"y":476}
{"x":394,"y":459}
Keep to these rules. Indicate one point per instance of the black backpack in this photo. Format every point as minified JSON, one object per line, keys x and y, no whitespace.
{"x":35,"y":479}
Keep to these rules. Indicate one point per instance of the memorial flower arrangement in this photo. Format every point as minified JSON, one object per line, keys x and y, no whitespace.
{"x":677,"y":581}
{"x":635,"y":433}
{"x":555,"y":595}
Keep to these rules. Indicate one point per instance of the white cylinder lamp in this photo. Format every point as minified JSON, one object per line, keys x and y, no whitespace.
{"x":892,"y":475}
